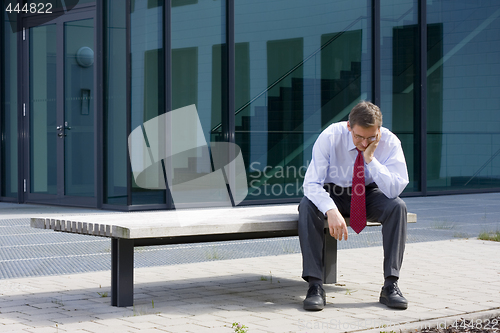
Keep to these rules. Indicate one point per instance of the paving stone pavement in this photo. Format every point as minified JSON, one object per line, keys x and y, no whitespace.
{"x":459,"y":277}
{"x":53,"y":282}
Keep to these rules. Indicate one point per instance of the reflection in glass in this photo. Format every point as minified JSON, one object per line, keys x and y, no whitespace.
{"x":8,"y":111}
{"x":400,"y":96}
{"x":42,"y":106}
{"x":115,"y":104}
{"x":199,"y":77}
{"x":292,"y":81}
{"x":463,"y":126}
{"x":79,"y":108}
{"x":147,"y":80}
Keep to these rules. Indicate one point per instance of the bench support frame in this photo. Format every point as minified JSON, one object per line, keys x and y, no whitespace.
{"x":122,"y":272}
{"x":122,"y":259}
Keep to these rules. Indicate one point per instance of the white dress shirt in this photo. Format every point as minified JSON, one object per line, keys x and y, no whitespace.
{"x":333,"y":159}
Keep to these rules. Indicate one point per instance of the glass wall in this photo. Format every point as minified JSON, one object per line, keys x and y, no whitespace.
{"x":399,"y":85}
{"x":115,"y":103}
{"x":8,"y":108}
{"x":463,"y":88}
{"x":43,"y":109}
{"x":79,"y":113}
{"x":147,"y":56}
{"x":300,"y":66}
{"x":199,"y":77}
{"x":58,"y":4}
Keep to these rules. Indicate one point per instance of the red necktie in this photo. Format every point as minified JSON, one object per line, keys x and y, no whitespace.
{"x":358,"y":206}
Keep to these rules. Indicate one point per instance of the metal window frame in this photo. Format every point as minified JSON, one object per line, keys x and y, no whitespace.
{"x":99,"y":104}
{"x":129,"y":106}
{"x":21,"y":135}
{"x":231,"y":89}
{"x":422,"y":21}
{"x":2,"y":95}
{"x":376,"y":49}
{"x":167,"y":46}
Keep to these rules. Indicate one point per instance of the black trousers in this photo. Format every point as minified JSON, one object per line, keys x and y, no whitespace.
{"x":391,"y":213}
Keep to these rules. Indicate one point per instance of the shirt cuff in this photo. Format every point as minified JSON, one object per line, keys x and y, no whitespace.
{"x":326,"y":207}
{"x":374,"y":166}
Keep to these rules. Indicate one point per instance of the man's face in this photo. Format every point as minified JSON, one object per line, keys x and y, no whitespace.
{"x":363,"y":136}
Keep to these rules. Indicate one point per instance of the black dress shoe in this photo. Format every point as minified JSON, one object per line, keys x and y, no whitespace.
{"x":392,"y":297}
{"x":315,"y":299}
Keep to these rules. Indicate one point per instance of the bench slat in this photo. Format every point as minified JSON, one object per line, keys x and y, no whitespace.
{"x":178,"y":223}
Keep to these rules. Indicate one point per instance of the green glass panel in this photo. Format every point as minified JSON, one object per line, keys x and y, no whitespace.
{"x":79,"y":111}
{"x":463,"y":85}
{"x":59,"y":4}
{"x":199,"y":77}
{"x":43,"y":133}
{"x":115,"y":104}
{"x":299,"y":66}
{"x":8,"y":120}
{"x":400,"y":96}
{"x":147,"y":78}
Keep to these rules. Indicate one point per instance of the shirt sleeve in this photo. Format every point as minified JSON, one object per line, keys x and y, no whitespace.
{"x":391,"y":175}
{"x":316,"y":175}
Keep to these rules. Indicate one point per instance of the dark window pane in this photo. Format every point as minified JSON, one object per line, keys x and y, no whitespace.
{"x":8,"y":110}
{"x":115,"y":104}
{"x":42,"y":106}
{"x":147,"y":79}
{"x":400,"y":96}
{"x":198,"y":77}
{"x":79,"y":108}
{"x":298,"y":69}
{"x":463,"y":85}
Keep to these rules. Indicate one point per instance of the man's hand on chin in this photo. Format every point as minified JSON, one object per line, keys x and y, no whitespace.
{"x":370,"y":150}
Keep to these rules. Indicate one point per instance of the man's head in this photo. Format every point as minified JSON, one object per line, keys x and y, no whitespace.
{"x":364,"y":124}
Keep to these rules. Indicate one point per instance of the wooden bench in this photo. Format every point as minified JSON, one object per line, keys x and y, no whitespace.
{"x":128,"y":230}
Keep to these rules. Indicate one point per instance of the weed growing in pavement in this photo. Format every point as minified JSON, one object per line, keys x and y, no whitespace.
{"x":266,"y":278}
{"x":105,"y":294}
{"x":239,"y":328}
{"x":349,"y":292}
{"x":492,"y":236}
{"x":442,"y":225}
{"x":461,"y":235}
{"x":144,"y":310}
{"x":213,"y":254}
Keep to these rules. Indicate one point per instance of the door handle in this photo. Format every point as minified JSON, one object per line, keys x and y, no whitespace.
{"x":61,"y":135}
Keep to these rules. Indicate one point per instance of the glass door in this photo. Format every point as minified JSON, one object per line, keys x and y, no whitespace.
{"x":60,"y":111}
{"x":77,"y":132}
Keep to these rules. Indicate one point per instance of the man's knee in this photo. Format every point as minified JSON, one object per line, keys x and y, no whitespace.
{"x":308,"y":209}
{"x":306,"y":205}
{"x":394,"y":206}
{"x":399,"y":204}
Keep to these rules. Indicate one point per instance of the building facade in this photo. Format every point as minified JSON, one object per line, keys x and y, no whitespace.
{"x":266,"y":75}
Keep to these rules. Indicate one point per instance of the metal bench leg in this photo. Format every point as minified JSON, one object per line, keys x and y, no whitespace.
{"x":329,"y":259}
{"x":122,"y":272}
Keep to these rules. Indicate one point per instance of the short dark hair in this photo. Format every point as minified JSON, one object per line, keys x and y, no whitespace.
{"x":365,"y":114}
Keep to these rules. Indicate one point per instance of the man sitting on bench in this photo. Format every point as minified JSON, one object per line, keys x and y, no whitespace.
{"x":358,"y":169}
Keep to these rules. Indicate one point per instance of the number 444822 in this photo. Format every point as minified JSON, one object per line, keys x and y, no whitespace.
{"x":33,"y":8}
